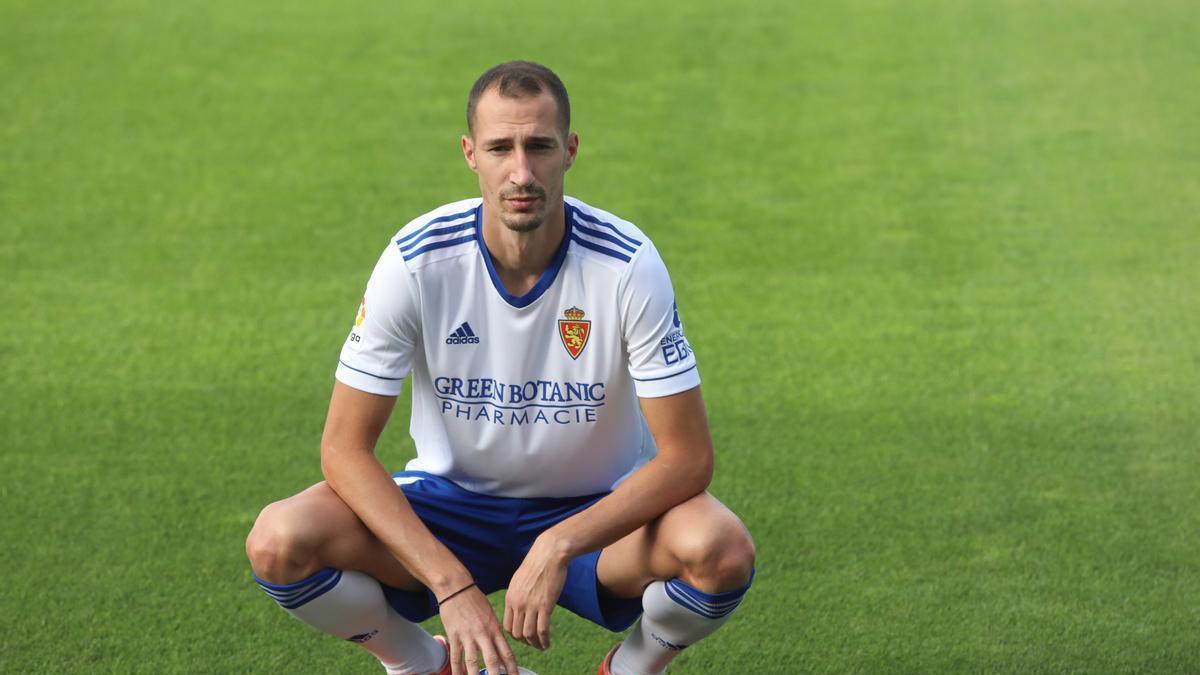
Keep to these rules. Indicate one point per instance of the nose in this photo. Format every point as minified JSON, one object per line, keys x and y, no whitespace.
{"x":521,"y":175}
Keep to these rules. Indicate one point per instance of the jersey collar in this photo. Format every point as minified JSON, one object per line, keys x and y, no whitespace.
{"x":544,"y":282}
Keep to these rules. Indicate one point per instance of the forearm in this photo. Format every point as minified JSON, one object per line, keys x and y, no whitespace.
{"x":652,"y":490}
{"x":361,"y":481}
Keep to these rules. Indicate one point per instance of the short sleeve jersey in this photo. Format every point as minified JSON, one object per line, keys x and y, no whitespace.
{"x":522,"y":396}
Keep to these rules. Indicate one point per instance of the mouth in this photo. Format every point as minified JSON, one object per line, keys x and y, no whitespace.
{"x":522,"y":202}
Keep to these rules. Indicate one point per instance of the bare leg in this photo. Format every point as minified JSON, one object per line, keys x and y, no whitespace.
{"x":295,"y":537}
{"x":699,"y":541}
{"x":691,"y":567}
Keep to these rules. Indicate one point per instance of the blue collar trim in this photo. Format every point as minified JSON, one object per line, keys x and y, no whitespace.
{"x":543,"y":283}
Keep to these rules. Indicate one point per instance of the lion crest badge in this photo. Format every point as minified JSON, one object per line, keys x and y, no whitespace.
{"x":574,"y":331}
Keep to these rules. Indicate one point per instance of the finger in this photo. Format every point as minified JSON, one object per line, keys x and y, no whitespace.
{"x":517,"y":626}
{"x":507,"y":617}
{"x":507,"y":657}
{"x":543,"y":628}
{"x":515,"y":623}
{"x":531,"y":638}
{"x":491,"y":660}
{"x":472,"y":663}
{"x":456,"y":665}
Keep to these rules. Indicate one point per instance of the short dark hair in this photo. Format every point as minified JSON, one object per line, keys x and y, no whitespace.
{"x":518,"y":79}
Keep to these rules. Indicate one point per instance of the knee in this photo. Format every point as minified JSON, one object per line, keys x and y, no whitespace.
{"x":278,"y":546}
{"x":719,"y":557}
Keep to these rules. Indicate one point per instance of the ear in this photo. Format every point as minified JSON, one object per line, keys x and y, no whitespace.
{"x":572,"y":148}
{"x":468,"y":149}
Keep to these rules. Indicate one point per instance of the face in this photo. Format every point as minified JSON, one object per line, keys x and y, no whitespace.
{"x":520,"y":156}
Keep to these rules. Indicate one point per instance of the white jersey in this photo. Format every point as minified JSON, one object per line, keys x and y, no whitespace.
{"x":522,"y":396}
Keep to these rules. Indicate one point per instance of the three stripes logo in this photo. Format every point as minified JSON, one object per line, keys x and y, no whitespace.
{"x":463,"y":335}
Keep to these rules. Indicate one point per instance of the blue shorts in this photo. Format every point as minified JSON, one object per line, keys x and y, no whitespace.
{"x":491,"y":536}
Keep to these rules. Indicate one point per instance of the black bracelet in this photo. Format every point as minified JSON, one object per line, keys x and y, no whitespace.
{"x":443,"y":600}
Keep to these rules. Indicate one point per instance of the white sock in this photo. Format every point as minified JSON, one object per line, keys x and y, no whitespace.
{"x":676,"y":616}
{"x":350,"y":605}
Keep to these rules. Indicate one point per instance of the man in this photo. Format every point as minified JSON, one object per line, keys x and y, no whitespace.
{"x":534,"y":327}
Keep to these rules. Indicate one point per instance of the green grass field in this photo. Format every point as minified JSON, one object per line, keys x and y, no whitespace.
{"x":938,"y":259}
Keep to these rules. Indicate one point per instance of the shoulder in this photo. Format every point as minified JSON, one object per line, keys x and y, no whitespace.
{"x":445,"y":232}
{"x":618,"y":245}
{"x":606,"y":239}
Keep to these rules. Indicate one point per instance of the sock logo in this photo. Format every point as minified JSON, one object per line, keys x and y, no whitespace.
{"x":668,"y":645}
{"x":363,"y":637}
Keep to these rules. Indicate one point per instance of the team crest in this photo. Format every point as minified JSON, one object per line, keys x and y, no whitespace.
{"x":574,"y":331}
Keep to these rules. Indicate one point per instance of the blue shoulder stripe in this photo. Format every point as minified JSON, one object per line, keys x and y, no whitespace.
{"x":598,"y":248}
{"x":435,"y":221}
{"x":603,"y":235}
{"x":449,"y":229}
{"x":596,"y":221}
{"x":439,"y":244}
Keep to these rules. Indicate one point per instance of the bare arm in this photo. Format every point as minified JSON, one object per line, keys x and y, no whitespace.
{"x":352,"y":428}
{"x":681,"y":470}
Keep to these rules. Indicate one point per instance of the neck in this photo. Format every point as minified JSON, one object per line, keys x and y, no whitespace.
{"x":520,"y":258}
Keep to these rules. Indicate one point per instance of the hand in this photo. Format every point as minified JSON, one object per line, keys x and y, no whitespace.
{"x":532,"y":594}
{"x":472,"y":629}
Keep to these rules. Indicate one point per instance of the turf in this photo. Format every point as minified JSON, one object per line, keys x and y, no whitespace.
{"x":938,"y":260}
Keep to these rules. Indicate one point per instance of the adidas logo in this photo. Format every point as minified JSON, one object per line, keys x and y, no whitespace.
{"x":463,"y":335}
{"x":668,"y":645}
{"x":363,"y":637}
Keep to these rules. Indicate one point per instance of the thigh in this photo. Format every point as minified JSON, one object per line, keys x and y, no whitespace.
{"x":667,"y":547}
{"x":321,"y":525}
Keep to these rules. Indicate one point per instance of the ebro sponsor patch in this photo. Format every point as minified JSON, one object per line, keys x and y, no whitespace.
{"x":675,"y":348}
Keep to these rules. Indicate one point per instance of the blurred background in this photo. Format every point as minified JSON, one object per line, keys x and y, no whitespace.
{"x":938,"y":260}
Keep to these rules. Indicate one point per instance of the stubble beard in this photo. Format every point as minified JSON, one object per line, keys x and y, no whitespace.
{"x":523,"y":221}
{"x":528,"y":223}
